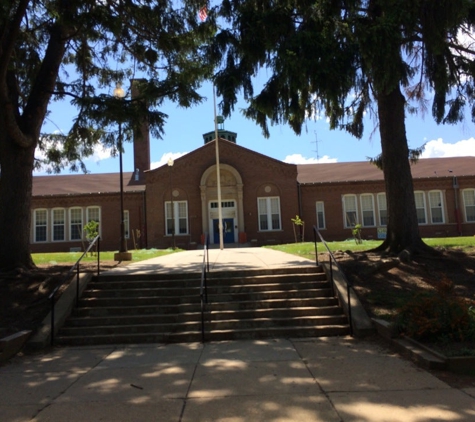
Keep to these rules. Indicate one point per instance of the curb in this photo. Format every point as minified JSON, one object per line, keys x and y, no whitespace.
{"x":422,"y":355}
{"x":63,"y":308}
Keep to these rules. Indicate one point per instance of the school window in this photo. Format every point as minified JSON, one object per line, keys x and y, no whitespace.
{"x":367,"y":209}
{"x":59,"y":217}
{"x":126,"y":224}
{"x":224,"y":204}
{"x":75,"y":223}
{"x":94,"y":214}
{"x":269,"y":213}
{"x":350,"y":211}
{"x":382,"y":209}
{"x":320,"y":215}
{"x":41,"y":225}
{"x":436,"y":209}
{"x":420,"y":207}
{"x":176,"y":219}
{"x":469,"y":205}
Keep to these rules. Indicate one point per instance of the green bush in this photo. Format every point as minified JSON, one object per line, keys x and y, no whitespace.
{"x":438,"y":316}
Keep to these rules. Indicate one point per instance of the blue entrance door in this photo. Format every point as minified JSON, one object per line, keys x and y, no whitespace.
{"x":228,"y":230}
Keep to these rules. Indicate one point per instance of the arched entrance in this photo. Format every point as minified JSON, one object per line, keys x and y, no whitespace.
{"x":231,"y":203}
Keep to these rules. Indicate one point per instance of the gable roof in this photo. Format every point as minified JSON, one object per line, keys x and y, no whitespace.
{"x":81,"y":184}
{"x":364,"y":171}
{"x":224,"y":146}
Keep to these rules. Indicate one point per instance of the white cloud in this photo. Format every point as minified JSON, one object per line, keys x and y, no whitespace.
{"x":100,"y":153}
{"x":165,"y":157}
{"x":300,"y":159}
{"x":438,"y":148}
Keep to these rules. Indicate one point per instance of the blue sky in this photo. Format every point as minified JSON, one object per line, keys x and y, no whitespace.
{"x":184,"y":129}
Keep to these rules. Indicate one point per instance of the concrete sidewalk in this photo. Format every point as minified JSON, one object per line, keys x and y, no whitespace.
{"x":324,"y":379}
{"x":230,"y":259}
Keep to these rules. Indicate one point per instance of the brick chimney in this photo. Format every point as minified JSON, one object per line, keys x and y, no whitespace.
{"x":141,"y":140}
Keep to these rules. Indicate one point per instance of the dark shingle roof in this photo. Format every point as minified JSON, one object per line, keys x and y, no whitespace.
{"x":77,"y":184}
{"x":365,"y":171}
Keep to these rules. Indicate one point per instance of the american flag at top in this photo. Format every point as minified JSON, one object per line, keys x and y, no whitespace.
{"x":203,"y":13}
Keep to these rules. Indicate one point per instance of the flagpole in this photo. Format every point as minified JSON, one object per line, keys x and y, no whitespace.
{"x":218,"y":174}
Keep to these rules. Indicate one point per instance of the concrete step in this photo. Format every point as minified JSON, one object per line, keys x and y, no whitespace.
{"x":211,"y":325}
{"x":313,"y":303}
{"x":170,"y":283}
{"x":195,"y":291}
{"x":176,"y":317}
{"x":195,"y":336}
{"x":168,"y":309}
{"x":212,"y":298}
{"x":223,"y":275}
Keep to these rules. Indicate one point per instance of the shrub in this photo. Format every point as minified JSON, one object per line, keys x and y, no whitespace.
{"x":438,"y":316}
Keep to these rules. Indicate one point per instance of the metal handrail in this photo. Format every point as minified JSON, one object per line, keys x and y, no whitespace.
{"x":332,"y":259}
{"x":204,"y":286}
{"x":68,"y":277}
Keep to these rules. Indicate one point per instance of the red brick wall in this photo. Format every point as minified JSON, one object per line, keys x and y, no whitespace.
{"x":110,"y":219}
{"x":256,"y":170}
{"x":332,"y":193}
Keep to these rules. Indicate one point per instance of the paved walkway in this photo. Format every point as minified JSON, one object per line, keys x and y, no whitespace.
{"x":219,"y":260}
{"x":323,"y":379}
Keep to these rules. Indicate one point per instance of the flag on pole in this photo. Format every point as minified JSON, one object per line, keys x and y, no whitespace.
{"x":203,"y":13}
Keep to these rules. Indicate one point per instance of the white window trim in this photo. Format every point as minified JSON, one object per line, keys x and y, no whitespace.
{"x":380,"y":195}
{"x":268,"y":213}
{"x":322,"y":211}
{"x":54,"y":225}
{"x":441,"y":206}
{"x":371,"y":196}
{"x":424,"y":205}
{"x":465,"y":204}
{"x":347,"y":224}
{"x":70,"y":223}
{"x":35,"y":225}
{"x":176,"y":218}
{"x":99,"y":216}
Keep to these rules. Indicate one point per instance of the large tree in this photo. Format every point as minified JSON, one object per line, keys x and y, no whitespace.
{"x":77,"y":50}
{"x":348,"y":58}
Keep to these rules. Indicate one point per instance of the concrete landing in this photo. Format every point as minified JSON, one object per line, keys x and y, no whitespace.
{"x":310,"y":380}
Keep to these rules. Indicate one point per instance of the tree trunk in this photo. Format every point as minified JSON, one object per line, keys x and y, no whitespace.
{"x":15,"y":201}
{"x":402,"y":229}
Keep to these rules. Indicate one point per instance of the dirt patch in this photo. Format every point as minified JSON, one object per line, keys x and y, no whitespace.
{"x":383,"y":284}
{"x":24,"y":295}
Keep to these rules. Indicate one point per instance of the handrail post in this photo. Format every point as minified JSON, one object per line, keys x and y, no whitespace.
{"x":52,"y":321}
{"x":349,"y":308}
{"x":207,"y":251}
{"x":98,"y":256}
{"x":77,"y":285}
{"x":315,"y":245}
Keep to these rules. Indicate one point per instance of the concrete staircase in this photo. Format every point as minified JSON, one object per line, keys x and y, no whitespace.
{"x":166,"y":308}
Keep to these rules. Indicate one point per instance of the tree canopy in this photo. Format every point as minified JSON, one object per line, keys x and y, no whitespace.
{"x":78,"y":50}
{"x":348,"y":58}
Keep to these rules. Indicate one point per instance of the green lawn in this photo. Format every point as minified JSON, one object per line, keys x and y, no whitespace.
{"x":72,"y":257}
{"x":307,"y":249}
